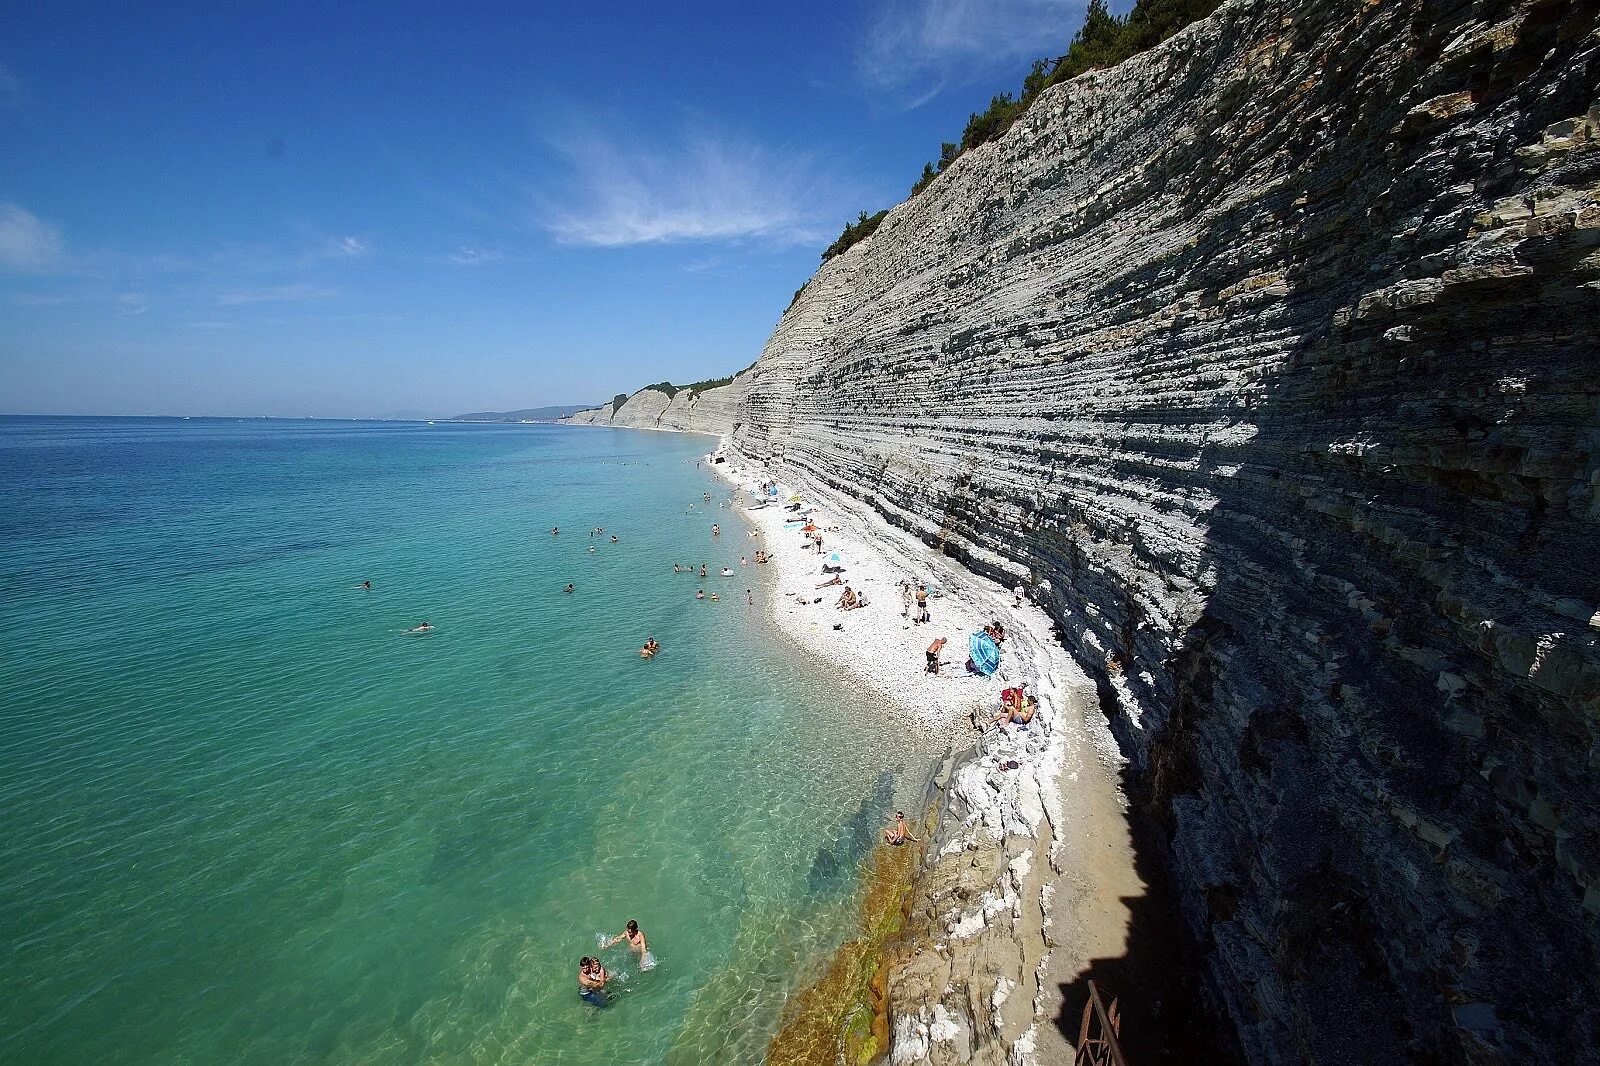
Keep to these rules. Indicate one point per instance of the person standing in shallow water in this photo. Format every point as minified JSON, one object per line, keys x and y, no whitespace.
{"x":592,"y":978}
{"x":635,"y":938}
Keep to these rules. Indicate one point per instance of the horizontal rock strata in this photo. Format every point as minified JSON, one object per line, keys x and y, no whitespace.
{"x":1270,"y":358}
{"x":705,"y":411}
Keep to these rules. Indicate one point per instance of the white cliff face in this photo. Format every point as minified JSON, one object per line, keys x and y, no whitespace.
{"x":708,"y":411}
{"x":1273,"y":351}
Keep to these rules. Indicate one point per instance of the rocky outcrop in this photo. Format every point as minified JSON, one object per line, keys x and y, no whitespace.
{"x":1270,"y":358}
{"x":686,"y":410}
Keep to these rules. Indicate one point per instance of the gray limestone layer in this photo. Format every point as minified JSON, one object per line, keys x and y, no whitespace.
{"x":1271,"y":358}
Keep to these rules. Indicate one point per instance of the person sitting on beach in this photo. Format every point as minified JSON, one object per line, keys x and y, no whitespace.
{"x":423,"y":628}
{"x":635,"y":938}
{"x":699,"y":594}
{"x":1016,"y":707}
{"x":834,"y":580}
{"x":898,"y":833}
{"x":997,"y":631}
{"x":933,"y":654}
{"x":569,"y":587}
{"x":847,"y":600}
{"x":592,"y":978}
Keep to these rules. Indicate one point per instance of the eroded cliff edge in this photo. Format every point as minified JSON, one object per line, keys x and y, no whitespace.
{"x":1274,"y":352}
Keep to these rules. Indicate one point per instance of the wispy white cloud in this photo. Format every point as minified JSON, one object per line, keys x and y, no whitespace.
{"x":703,"y":185}
{"x":132,"y":303}
{"x":913,"y":49}
{"x":470,"y":255}
{"x":26,"y":243}
{"x":295,"y":292}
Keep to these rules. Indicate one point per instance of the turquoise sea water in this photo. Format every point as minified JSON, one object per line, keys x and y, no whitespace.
{"x":243,"y":818}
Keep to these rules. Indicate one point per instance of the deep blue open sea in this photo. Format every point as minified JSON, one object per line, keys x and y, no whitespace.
{"x":244,"y":818}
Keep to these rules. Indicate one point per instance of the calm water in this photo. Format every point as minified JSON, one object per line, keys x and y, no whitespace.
{"x":244,"y":819}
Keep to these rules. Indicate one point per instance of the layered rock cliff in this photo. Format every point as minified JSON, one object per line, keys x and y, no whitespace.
{"x":1270,"y":357}
{"x":686,"y":410}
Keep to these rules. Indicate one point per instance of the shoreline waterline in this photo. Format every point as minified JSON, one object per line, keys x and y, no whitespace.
{"x":1043,"y":805}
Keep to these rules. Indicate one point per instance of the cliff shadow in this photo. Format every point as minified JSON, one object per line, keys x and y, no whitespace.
{"x":1350,"y":791}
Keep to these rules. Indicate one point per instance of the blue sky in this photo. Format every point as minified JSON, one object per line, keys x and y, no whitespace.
{"x":361,"y":208}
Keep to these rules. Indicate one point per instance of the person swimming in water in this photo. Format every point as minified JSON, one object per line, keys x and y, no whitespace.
{"x":367,"y":585}
{"x":702,"y":569}
{"x":676,"y":569}
{"x":651,"y":647}
{"x":635,"y":938}
{"x":554,"y":530}
{"x":699,"y":594}
{"x":569,"y":587}
{"x":592,"y":979}
{"x":614,"y":539}
{"x":716,"y":530}
{"x":713,"y":597}
{"x":425,"y":627}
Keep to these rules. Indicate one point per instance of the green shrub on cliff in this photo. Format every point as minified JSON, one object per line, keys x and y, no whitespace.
{"x":1104,"y":40}
{"x":855,"y":231}
{"x":710,"y":383}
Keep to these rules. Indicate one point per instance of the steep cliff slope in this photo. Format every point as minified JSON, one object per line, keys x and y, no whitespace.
{"x":1271,"y":356}
{"x":688,"y":411}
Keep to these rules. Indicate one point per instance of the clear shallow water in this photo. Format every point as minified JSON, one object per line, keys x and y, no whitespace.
{"x":244,"y":819}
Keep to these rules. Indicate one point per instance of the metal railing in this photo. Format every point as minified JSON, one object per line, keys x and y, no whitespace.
{"x":1098,"y":1043}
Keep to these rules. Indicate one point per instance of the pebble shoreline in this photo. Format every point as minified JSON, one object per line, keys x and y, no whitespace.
{"x":1005,"y":936}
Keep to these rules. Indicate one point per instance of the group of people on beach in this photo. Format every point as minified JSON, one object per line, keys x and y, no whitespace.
{"x":592,"y":973}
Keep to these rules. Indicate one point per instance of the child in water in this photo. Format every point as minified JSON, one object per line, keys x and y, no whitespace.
{"x":592,"y":978}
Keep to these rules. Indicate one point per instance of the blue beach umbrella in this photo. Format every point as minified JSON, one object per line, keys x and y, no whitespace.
{"x":985,"y":653}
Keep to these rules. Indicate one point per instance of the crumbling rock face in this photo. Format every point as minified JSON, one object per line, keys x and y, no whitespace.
{"x":1273,"y":351}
